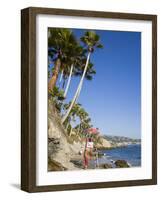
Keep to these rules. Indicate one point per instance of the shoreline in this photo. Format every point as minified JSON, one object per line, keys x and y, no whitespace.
{"x":105,"y":160}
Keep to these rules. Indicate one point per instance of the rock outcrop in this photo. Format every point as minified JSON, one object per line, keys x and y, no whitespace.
{"x":104,"y":144}
{"x":59,"y":150}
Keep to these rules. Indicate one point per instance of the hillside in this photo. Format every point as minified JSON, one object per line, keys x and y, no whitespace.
{"x":117,"y":141}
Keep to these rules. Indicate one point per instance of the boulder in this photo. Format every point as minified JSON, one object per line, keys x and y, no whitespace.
{"x":121,"y":164}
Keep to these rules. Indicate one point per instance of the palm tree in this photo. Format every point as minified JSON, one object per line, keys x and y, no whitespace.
{"x":76,"y":55}
{"x":61,"y":76}
{"x":64,"y":72}
{"x":77,"y":71}
{"x":69,"y":80}
{"x":85,"y":121}
{"x":91,"y":40}
{"x":71,"y":117}
{"x":89,"y":75}
{"x":59,"y":41}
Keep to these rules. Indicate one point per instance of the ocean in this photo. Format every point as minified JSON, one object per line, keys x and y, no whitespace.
{"x":130,"y":153}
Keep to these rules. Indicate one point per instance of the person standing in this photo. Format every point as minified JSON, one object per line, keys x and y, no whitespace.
{"x":88,"y":152}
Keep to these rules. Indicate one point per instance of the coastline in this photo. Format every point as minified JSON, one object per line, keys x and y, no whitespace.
{"x":117,"y":146}
{"x":108,"y":160}
{"x":65,"y":152}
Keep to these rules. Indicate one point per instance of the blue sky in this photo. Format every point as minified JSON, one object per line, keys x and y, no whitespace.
{"x":113,"y":97}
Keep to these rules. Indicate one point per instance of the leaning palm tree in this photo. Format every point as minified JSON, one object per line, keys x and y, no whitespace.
{"x":89,"y":75}
{"x":59,"y":41}
{"x":91,"y":41}
{"x":76,"y":54}
{"x":78,"y":71}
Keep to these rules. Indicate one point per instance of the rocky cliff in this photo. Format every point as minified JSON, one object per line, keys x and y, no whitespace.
{"x":59,"y":149}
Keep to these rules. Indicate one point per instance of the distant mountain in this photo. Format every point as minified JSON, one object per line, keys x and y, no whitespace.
{"x":117,"y":141}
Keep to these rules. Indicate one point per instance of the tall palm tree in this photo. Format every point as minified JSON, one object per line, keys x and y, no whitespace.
{"x":76,"y":55}
{"x":91,"y":41}
{"x":69,"y":80}
{"x":59,"y":41}
{"x":64,"y":72}
{"x":89,"y":75}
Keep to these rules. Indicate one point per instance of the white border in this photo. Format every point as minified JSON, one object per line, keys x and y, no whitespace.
{"x":69,"y":177}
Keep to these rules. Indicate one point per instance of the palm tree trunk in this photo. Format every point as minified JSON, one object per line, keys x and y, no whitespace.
{"x":67,"y":125}
{"x":61,"y":76}
{"x":69,"y":80}
{"x":54,"y":78}
{"x":64,"y":83}
{"x":77,"y":91}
